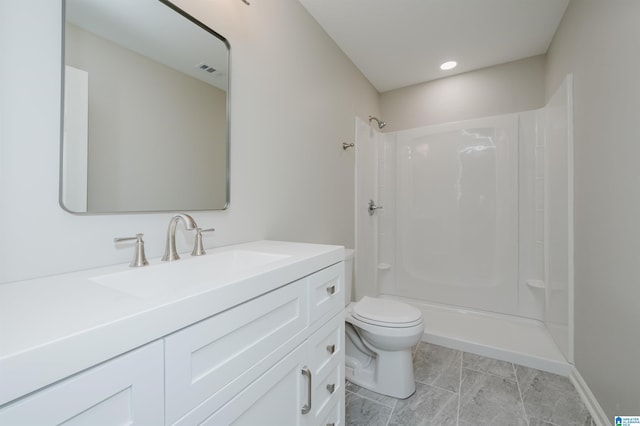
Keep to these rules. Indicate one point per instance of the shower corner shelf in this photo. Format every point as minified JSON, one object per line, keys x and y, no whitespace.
{"x":536,"y":284}
{"x":383,"y":266}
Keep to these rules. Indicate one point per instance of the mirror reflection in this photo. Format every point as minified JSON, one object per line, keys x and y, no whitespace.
{"x":145,"y":109}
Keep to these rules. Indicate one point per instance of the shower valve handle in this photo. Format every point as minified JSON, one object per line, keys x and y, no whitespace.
{"x":372,"y":207}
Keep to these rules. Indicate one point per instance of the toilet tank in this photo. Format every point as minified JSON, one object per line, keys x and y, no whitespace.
{"x":348,"y":274}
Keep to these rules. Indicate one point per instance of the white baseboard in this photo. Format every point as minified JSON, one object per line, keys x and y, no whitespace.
{"x":598,"y":414}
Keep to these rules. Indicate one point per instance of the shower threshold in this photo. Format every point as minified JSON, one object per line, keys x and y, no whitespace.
{"x":509,"y":338}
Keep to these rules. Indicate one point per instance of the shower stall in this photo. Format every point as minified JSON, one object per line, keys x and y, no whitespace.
{"x":474,"y":228}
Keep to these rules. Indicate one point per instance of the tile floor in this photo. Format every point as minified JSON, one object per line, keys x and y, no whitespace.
{"x":455,"y":388}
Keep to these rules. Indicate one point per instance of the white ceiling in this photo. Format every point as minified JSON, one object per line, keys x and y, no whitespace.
{"x":397,"y":43}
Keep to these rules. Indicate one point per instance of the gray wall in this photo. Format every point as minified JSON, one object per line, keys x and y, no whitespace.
{"x":598,"y":42}
{"x":501,"y":89}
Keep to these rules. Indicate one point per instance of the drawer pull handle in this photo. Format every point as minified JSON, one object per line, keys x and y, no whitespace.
{"x":331,"y":349}
{"x":331,"y":388}
{"x":331,"y":424}
{"x":307,"y":407}
{"x":331,"y":290}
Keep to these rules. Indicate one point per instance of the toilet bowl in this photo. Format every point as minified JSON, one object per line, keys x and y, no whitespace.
{"x":380,"y":335}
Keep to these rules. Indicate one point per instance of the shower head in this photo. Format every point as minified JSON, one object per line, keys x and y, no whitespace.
{"x":381,"y":124}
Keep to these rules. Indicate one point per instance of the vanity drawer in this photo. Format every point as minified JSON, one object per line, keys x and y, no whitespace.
{"x":327,"y":345}
{"x":327,"y":389}
{"x":211,"y":361}
{"x":326,"y":290}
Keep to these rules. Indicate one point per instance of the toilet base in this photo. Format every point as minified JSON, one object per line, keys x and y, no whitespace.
{"x":372,"y":374}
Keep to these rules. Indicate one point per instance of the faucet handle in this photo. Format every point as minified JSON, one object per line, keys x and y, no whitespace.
{"x":198,"y":249}
{"x":139,"y":259}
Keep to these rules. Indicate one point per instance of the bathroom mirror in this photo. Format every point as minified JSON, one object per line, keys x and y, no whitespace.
{"x":145,"y":109}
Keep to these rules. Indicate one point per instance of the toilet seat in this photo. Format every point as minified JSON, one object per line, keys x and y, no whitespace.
{"x":386,"y":313}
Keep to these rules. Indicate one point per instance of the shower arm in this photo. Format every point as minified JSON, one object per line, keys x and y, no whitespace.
{"x":381,"y":123}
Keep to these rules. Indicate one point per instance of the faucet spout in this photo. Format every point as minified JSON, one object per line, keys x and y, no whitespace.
{"x":170,"y":252}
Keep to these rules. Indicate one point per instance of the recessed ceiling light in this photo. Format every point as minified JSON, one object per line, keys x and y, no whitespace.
{"x":448,"y":65}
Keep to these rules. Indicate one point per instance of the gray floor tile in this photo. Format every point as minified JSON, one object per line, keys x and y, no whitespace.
{"x":437,"y":366}
{"x":551,"y":398}
{"x":537,"y":422}
{"x":489,"y":400}
{"x":489,"y":395}
{"x":366,"y":393}
{"x":488,"y":365}
{"x":360,"y":411}
{"x":428,"y":406}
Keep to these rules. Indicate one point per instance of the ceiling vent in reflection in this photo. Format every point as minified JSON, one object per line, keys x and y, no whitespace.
{"x":206,"y":68}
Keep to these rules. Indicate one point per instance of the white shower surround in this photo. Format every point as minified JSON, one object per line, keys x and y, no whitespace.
{"x":455,"y":218}
{"x":487,"y":288}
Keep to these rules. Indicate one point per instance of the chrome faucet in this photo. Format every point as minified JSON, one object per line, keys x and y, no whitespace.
{"x":170,"y":252}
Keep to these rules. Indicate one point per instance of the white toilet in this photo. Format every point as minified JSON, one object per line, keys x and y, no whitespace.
{"x":380,"y":334}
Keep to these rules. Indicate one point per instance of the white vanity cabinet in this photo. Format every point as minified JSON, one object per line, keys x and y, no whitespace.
{"x":126,"y":390}
{"x":263,"y":349}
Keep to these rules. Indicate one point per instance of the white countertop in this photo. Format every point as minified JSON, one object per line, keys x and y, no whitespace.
{"x":56,"y":326}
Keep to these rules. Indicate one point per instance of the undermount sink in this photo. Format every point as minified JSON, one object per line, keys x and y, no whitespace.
{"x":212,"y":270}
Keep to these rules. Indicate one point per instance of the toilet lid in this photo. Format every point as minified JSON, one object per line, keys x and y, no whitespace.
{"x":384,"y":311}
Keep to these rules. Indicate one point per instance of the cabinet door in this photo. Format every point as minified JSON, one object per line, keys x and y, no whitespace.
{"x":128,"y":390}
{"x":275,"y":399}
